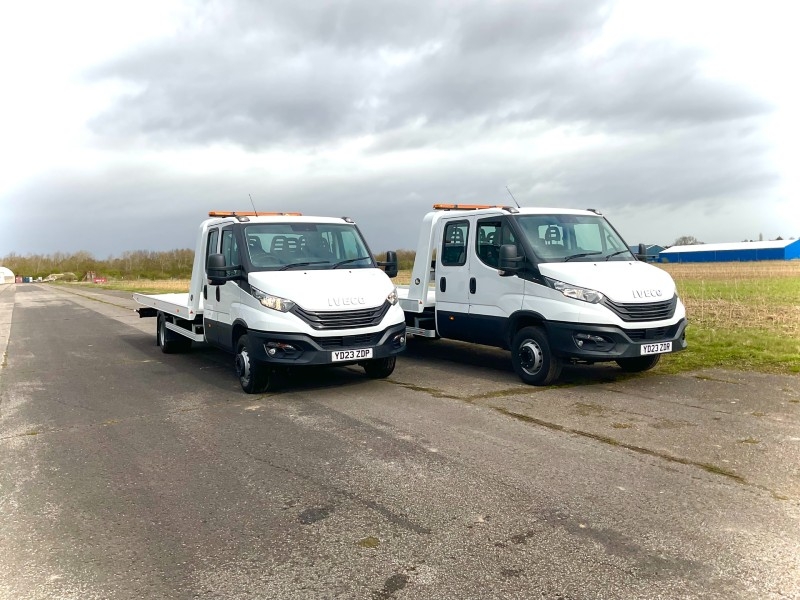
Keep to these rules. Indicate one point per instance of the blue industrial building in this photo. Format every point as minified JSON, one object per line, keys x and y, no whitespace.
{"x":732,"y":252}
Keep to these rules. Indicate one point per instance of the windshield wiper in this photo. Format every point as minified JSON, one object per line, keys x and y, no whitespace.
{"x":304,"y":264}
{"x":582,"y":254}
{"x":615,"y":253}
{"x":349,"y":260}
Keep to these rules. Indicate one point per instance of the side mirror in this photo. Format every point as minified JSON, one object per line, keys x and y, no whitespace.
{"x":390,"y":264}
{"x":642,"y":255}
{"x":215,"y":269}
{"x":509,"y":261}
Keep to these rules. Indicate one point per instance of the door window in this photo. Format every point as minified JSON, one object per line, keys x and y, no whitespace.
{"x":230,"y":250}
{"x":211,"y":247}
{"x":492,"y":233}
{"x":454,"y":244}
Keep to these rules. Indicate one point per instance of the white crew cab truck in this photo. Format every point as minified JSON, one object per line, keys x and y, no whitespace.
{"x":281,"y":291}
{"x":551,"y":285}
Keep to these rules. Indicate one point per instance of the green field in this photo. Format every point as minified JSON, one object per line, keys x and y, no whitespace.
{"x":741,"y":315}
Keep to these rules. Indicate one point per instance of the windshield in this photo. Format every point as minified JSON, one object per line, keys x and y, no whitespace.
{"x":567,"y":238}
{"x":286,"y":246}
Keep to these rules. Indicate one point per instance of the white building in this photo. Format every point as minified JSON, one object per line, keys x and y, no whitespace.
{"x":6,"y":276}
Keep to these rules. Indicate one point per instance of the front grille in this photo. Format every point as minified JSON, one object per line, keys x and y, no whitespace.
{"x":654,"y":333}
{"x":343,"y":319}
{"x":646,"y":311}
{"x":350,"y":341}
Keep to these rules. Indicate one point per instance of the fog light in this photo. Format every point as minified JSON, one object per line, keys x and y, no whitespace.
{"x":280,"y":350}
{"x":590,"y":341}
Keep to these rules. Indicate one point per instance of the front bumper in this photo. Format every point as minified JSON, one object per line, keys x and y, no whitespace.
{"x":292,"y":349}
{"x":598,"y":343}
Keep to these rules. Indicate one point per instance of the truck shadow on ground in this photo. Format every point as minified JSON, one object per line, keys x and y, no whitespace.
{"x":213,"y":367}
{"x":473,"y":360}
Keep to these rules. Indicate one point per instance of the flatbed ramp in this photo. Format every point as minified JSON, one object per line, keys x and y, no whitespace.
{"x":182,"y":319}
{"x":173,"y":304}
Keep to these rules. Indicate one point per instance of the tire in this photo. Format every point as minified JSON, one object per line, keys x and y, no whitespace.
{"x":638,"y":363}
{"x":379,"y":368}
{"x":254,"y":377}
{"x":532,"y":359}
{"x":170,"y":342}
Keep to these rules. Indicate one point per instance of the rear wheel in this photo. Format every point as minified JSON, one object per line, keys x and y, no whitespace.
{"x":638,"y":364}
{"x":254,"y":377}
{"x":170,"y":341}
{"x":379,"y":368}
{"x":532,"y":359}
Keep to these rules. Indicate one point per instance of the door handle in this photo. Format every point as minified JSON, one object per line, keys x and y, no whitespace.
{"x":205,"y":292}
{"x":217,"y":292}
{"x":473,"y":285}
{"x":442,"y":284}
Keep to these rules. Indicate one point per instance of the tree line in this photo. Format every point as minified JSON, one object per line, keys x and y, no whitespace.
{"x":137,"y":264}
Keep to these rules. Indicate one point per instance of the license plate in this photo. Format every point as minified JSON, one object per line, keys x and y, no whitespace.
{"x":658,"y":348}
{"x":360,"y":354}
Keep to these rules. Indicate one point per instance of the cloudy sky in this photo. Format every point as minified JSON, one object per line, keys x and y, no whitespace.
{"x":122,"y":123}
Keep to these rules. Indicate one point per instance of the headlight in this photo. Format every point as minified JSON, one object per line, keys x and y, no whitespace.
{"x":392,"y":297}
{"x":576,"y":292}
{"x":273,"y":302}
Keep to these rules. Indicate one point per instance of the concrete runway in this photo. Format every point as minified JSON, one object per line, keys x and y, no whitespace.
{"x":128,"y":473}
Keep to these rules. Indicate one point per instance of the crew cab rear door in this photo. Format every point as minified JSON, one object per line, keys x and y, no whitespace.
{"x":452,"y":274}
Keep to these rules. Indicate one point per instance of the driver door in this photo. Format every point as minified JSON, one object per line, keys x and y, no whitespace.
{"x":210,"y":291}
{"x":229,"y":294}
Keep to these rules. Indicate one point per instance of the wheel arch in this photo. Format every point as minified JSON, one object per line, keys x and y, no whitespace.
{"x":238,"y":329}
{"x":520,"y":319}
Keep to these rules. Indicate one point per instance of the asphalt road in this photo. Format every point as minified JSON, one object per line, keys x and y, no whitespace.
{"x":127,"y":473}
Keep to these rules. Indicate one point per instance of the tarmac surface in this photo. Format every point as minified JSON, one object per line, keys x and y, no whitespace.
{"x":128,"y":473}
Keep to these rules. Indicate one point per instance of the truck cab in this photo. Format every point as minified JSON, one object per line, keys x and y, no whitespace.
{"x":552,"y":285}
{"x":282,"y":291}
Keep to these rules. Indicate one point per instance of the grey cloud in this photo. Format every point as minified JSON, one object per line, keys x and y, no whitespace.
{"x":652,"y":86}
{"x":142,"y":207}
{"x":283,"y":74}
{"x":706,"y":164}
{"x":415,"y":75}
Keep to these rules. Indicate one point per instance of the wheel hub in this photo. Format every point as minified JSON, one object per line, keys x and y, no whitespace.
{"x":531,"y":357}
{"x":243,"y":365}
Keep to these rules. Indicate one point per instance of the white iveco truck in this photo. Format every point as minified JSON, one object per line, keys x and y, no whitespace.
{"x":282,"y":291}
{"x":551,"y":285}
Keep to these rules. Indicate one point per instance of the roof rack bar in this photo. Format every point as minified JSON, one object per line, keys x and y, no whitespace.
{"x":464,"y":206}
{"x":224,"y":213}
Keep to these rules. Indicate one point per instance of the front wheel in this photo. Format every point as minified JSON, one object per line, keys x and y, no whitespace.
{"x":638,"y":364}
{"x":253,"y":376}
{"x":379,"y":368}
{"x":532,"y":359}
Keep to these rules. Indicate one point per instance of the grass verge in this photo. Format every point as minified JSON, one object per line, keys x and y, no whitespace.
{"x":144,"y":286}
{"x":741,"y":316}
